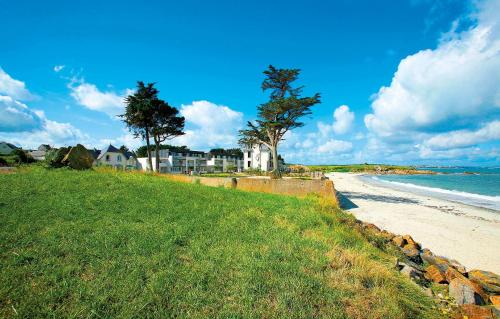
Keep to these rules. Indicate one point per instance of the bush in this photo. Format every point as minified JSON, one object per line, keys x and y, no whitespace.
{"x":55,"y":156}
{"x":22,"y":157}
{"x":3,"y":162}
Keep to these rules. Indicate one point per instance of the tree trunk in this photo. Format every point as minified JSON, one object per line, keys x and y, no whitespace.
{"x":157,"y":143}
{"x":275,"y":174}
{"x":148,"y":147}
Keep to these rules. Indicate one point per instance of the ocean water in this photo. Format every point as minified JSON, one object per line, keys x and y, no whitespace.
{"x":477,"y":186}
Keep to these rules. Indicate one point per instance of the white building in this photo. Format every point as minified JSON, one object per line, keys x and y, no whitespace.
{"x":258,"y":157}
{"x":111,"y":156}
{"x":192,"y":162}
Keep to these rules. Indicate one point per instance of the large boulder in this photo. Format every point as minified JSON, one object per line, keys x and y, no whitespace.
{"x":488,"y":280}
{"x":412,"y":251}
{"x":440,"y":262}
{"x":54,"y":157}
{"x":78,"y":157}
{"x":465,"y":292}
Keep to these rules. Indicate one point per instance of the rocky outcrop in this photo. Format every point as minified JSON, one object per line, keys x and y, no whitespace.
{"x":78,"y":157}
{"x":470,"y":294}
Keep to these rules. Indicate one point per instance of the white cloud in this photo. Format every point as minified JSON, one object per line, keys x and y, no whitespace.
{"x":438,"y":96}
{"x":88,"y":95}
{"x":464,"y":138}
{"x":210,"y":125}
{"x":14,"y":88}
{"x":58,"y":68}
{"x":126,"y":139}
{"x":17,"y":117}
{"x":343,"y":119}
{"x":457,"y":80}
{"x":335,"y":147}
{"x":50,"y":132}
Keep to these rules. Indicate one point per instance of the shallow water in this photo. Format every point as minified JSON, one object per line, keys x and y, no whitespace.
{"x":477,"y":186}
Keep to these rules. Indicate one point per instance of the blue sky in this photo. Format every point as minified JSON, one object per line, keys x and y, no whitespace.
{"x":401,"y":81}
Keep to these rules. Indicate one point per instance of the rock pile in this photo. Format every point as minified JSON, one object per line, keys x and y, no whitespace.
{"x":76,"y":157}
{"x":474,"y":293}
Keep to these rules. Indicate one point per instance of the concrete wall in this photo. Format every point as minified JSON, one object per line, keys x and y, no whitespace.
{"x":293,"y":187}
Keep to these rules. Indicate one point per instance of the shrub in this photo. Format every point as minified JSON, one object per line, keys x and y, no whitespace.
{"x":3,"y":162}
{"x":22,"y":157}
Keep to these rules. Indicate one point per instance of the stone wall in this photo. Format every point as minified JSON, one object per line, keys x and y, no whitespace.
{"x":293,"y":187}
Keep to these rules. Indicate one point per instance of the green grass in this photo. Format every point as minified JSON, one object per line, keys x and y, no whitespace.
{"x":115,"y":244}
{"x":356,"y":168}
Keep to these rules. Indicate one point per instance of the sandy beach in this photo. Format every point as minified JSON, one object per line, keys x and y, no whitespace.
{"x":468,"y":234}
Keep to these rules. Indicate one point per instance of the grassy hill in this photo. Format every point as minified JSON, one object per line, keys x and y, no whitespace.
{"x":105,"y":244}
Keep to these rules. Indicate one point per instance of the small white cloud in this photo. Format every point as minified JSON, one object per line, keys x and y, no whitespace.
{"x":343,"y":119}
{"x":91,"y":97}
{"x":58,"y":68}
{"x":14,"y":88}
{"x":335,"y":147}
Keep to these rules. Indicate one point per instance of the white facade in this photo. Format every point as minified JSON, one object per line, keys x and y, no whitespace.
{"x":111,"y":156}
{"x":191,"y":162}
{"x":258,"y":157}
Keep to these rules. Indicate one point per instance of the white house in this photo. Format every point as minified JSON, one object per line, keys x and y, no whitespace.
{"x":192,"y":162}
{"x":111,"y":156}
{"x":7,"y":148}
{"x":258,"y":157}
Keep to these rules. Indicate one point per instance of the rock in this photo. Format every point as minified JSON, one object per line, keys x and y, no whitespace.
{"x":428,"y":292}
{"x":78,"y":157}
{"x":55,"y":156}
{"x":399,"y":241}
{"x":440,"y":262}
{"x":400,"y":265}
{"x":455,"y":264}
{"x":475,"y":312}
{"x":432,"y":273}
{"x":412,"y":251}
{"x":464,"y":292}
{"x":410,"y":240}
{"x":451,"y":273}
{"x":495,"y":300}
{"x":411,"y":272}
{"x":488,"y":280}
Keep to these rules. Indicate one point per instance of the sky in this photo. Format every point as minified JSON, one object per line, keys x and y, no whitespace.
{"x":401,"y":81}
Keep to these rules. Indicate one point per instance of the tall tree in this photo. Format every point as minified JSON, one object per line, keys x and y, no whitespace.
{"x":280,"y":114}
{"x":166,"y":125}
{"x":139,"y":114}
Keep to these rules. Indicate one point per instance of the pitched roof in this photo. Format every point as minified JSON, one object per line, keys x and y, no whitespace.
{"x":129,"y":154}
{"x":94,"y":153}
{"x":111,"y":149}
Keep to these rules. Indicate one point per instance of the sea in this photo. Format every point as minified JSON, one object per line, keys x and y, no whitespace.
{"x":476,"y":186}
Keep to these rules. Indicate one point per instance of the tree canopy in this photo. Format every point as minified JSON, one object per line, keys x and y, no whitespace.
{"x":280,"y":114}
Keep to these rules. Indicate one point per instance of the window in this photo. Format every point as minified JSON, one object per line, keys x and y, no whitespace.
{"x":107,"y":158}
{"x":249,"y":154}
{"x":249,"y":163}
{"x":119,"y":158}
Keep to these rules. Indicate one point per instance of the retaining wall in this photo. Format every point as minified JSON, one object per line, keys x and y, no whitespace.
{"x":293,"y":187}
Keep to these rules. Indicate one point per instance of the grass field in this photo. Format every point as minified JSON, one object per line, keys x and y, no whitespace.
{"x":113,"y":244}
{"x":356,"y":168}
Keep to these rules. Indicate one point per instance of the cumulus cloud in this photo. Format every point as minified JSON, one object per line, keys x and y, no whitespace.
{"x":438,"y":96}
{"x":343,"y":120}
{"x":88,"y":95}
{"x":210,"y":125}
{"x":17,"y":117}
{"x":14,"y":88}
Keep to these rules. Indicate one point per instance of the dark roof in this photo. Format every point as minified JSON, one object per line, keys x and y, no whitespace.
{"x":129,"y":154}
{"x":95,"y":153}
{"x":10,"y":145}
